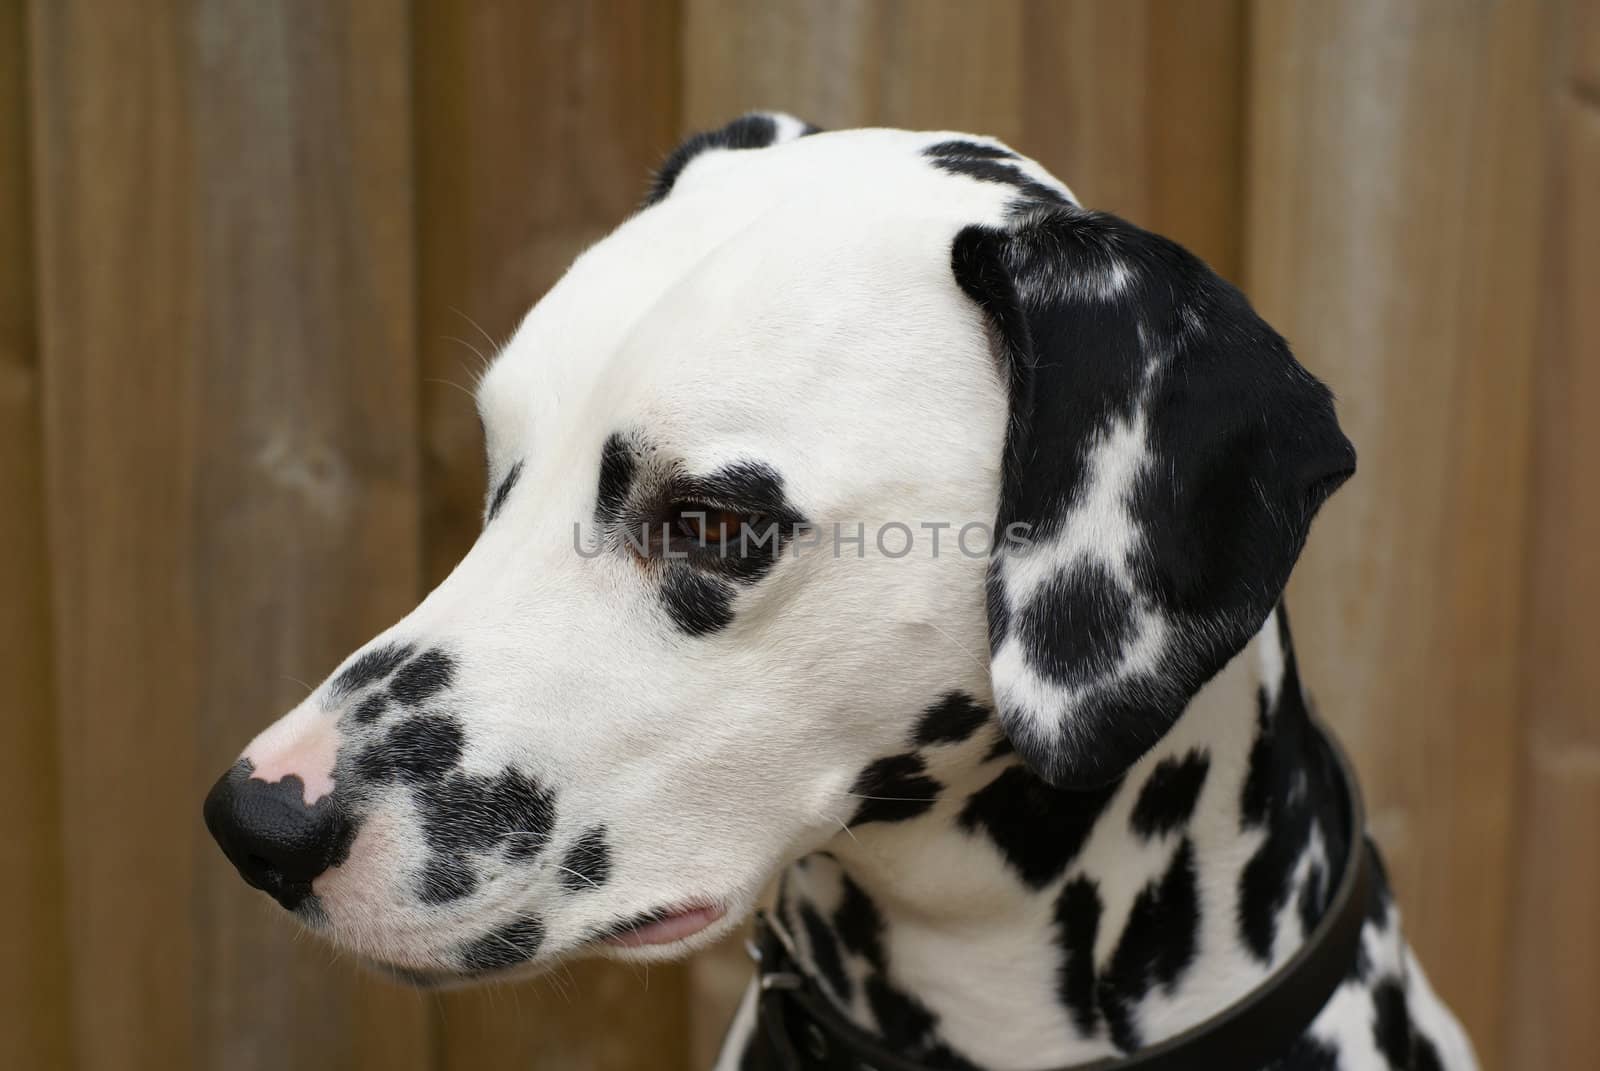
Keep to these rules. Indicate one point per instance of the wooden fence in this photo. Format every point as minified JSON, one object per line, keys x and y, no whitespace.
{"x":246,"y":248}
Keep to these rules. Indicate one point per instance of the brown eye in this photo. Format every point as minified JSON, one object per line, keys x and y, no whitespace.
{"x":708,"y":525}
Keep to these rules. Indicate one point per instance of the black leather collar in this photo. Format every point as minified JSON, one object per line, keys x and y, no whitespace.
{"x":797,"y":1029}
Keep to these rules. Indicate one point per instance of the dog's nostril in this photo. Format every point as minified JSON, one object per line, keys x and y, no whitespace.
{"x":277,"y":842}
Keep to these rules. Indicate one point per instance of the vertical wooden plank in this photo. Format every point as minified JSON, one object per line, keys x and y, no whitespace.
{"x":1138,"y":106}
{"x":33,"y":973}
{"x":537,"y":129}
{"x":226,"y":277}
{"x":1394,"y":223}
{"x":1555,"y":932}
{"x":114,"y":269}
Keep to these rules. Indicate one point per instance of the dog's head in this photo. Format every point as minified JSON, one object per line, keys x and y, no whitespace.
{"x":839,"y":443}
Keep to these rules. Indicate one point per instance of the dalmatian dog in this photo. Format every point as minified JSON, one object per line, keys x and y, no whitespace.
{"x":864,"y":514}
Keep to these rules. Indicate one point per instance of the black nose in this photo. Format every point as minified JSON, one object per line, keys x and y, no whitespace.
{"x":276,"y":841}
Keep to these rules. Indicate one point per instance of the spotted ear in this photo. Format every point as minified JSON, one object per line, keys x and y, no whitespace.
{"x":755,"y":130}
{"x":1164,"y":458}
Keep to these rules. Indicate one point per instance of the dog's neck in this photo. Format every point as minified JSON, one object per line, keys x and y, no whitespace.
{"x":1017,"y":926}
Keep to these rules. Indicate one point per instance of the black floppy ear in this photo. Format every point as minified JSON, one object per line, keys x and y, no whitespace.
{"x":755,"y":130}
{"x":1164,"y":458}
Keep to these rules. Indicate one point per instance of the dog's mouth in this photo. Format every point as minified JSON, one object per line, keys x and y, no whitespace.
{"x":663,"y":926}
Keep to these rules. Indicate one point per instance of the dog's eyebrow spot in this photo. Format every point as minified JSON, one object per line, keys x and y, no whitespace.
{"x":748,"y":485}
{"x":502,"y":492}
{"x":894,"y":789}
{"x":954,"y":718}
{"x":516,"y":942}
{"x":371,"y":666}
{"x":1169,"y":794}
{"x":587,"y":863}
{"x":617,"y":471}
{"x":423,"y":677}
{"x":1039,"y":829}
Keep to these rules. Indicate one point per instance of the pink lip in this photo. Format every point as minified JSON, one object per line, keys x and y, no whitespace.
{"x":685,"y":922}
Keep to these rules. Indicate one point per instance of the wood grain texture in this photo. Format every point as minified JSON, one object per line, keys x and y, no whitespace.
{"x":33,"y":971}
{"x":226,"y":279}
{"x":1140,"y":108}
{"x":1555,"y":928}
{"x":1394,"y":222}
{"x":537,"y":130}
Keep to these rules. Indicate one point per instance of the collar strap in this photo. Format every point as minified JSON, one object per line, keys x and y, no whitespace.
{"x":798,"y":1029}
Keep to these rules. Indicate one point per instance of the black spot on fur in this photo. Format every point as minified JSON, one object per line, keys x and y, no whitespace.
{"x":698,"y":604}
{"x":908,"y":1027}
{"x":371,"y":708}
{"x":1168,"y":797}
{"x":1313,"y":898}
{"x":1157,"y":945}
{"x":858,"y":923}
{"x":1291,"y":789}
{"x":976,"y":150}
{"x":753,"y":131}
{"x":894,"y":789}
{"x":1424,"y":1056}
{"x":1075,"y":626}
{"x":994,"y":595}
{"x":954,"y":718}
{"x":825,"y":953}
{"x":1391,"y":1023}
{"x":1001,"y":748}
{"x":508,"y":811}
{"x":1077,"y":925}
{"x":502,"y":492}
{"x":423,"y":677}
{"x":988,"y":164}
{"x":617,"y":470}
{"x":516,"y":942}
{"x":419,"y":749}
{"x":1039,"y":829}
{"x":372,"y":666}
{"x":444,"y":878}
{"x":587,"y":864}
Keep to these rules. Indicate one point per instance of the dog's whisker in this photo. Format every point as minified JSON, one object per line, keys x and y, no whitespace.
{"x":475,"y":350}
{"x":476,"y":326}
{"x":453,"y":383}
{"x":308,"y":687}
{"x":581,"y":877}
